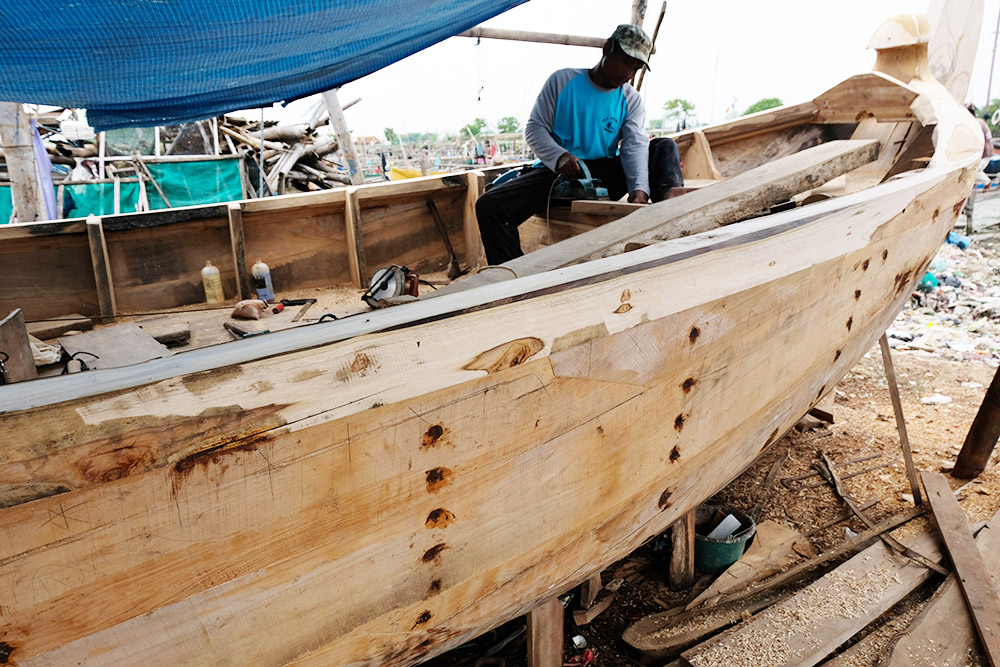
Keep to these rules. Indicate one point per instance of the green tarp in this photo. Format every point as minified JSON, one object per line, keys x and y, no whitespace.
{"x":185,"y":183}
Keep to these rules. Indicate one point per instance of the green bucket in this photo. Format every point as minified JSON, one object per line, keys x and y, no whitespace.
{"x":714,"y":556}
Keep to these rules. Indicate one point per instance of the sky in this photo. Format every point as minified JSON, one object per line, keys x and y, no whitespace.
{"x":718,"y":54}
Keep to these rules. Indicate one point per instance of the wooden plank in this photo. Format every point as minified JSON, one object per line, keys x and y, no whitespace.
{"x":19,"y":154}
{"x":807,"y":627}
{"x":589,"y":590}
{"x":47,"y":329}
{"x":238,"y":241}
{"x":545,"y":634}
{"x":20,"y":365}
{"x":897,"y":409}
{"x":116,"y":346}
{"x":977,"y":587}
{"x":618,"y":209}
{"x":601,"y":603}
{"x":470,"y":224}
{"x":702,"y":210}
{"x":681,"y":573}
{"x":770,"y":552}
{"x":339,"y":124}
{"x":698,"y":162}
{"x":873,"y":94}
{"x":744,"y":127}
{"x":943,"y":634}
{"x":102,"y":267}
{"x":825,"y":407}
{"x":355,"y":241}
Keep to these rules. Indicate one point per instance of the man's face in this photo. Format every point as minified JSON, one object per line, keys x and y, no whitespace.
{"x":619,"y":67}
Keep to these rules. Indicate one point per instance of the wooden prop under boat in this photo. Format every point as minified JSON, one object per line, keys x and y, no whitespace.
{"x":379,"y":489}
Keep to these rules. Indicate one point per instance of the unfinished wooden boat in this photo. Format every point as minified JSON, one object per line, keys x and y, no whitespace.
{"x":378,"y":489}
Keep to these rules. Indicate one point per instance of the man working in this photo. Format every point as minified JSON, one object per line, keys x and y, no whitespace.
{"x":591,"y":115}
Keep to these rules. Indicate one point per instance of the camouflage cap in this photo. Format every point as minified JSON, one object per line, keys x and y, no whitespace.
{"x":634,"y":42}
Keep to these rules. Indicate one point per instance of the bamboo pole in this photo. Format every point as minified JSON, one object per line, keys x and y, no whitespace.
{"x":538,"y":37}
{"x":656,"y":32}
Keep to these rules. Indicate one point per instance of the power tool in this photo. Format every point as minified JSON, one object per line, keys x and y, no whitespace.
{"x":586,"y":187}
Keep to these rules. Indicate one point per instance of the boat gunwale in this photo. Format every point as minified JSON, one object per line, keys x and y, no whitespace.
{"x":101,"y":381}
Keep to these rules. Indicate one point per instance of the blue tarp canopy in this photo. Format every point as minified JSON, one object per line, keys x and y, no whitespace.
{"x":141,"y":63}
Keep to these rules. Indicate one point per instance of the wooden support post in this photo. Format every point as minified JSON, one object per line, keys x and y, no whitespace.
{"x":638,"y":12}
{"x":983,"y":434}
{"x":897,"y":408}
{"x":339,"y":124}
{"x":355,"y":241}
{"x":682,"y":553}
{"x":589,"y":590}
{"x":238,"y":243}
{"x":20,"y":365}
{"x":470,"y":224}
{"x":545,"y":634}
{"x":19,"y":152}
{"x":102,"y":267}
{"x":974,"y":580}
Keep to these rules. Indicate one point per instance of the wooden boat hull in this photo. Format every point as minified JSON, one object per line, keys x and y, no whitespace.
{"x":378,"y":500}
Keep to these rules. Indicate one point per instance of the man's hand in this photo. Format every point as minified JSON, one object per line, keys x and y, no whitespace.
{"x":638,"y":197}
{"x":569,"y":166}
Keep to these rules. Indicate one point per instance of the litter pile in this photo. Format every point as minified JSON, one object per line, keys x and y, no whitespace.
{"x":955,"y":314}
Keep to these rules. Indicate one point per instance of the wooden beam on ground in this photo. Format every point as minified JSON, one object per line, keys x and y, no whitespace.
{"x":20,"y":364}
{"x":470,"y":224}
{"x":102,"y":267}
{"x":938,"y":635}
{"x":805,"y":628}
{"x":824,"y":408}
{"x":682,"y":553}
{"x":528,"y":36}
{"x":238,"y":242}
{"x":982,"y":436}
{"x":355,"y":241}
{"x":897,"y":409}
{"x":703,"y":210}
{"x":339,"y":124}
{"x":973,"y":579}
{"x":545,"y":634}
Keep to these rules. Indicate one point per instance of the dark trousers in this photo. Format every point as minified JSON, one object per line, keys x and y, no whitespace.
{"x":506,"y":206}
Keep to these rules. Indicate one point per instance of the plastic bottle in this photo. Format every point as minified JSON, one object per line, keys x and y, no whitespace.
{"x":262,"y":280}
{"x":212,"y":282}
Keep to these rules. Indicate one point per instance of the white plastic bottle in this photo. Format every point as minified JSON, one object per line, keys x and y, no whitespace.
{"x":212,"y":282}
{"x":262,"y":281}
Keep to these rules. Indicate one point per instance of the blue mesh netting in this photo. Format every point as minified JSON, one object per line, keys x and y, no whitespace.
{"x":145,"y":62}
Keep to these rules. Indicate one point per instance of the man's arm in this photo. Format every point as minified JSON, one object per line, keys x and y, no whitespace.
{"x":538,"y":130}
{"x":635,"y":148}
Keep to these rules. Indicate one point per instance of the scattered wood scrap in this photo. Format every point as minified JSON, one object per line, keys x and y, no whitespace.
{"x":120,"y":345}
{"x":808,"y":626}
{"x":943,"y":633}
{"x":168,"y":331}
{"x":19,"y":364}
{"x":973,"y":579}
{"x":770,"y":552}
{"x":48,"y":329}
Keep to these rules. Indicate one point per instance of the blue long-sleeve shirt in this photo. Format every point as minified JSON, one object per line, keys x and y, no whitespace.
{"x":573,"y":114}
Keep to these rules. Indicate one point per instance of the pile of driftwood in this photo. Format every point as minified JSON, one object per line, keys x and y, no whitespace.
{"x":763,"y":612}
{"x":295,"y":156}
